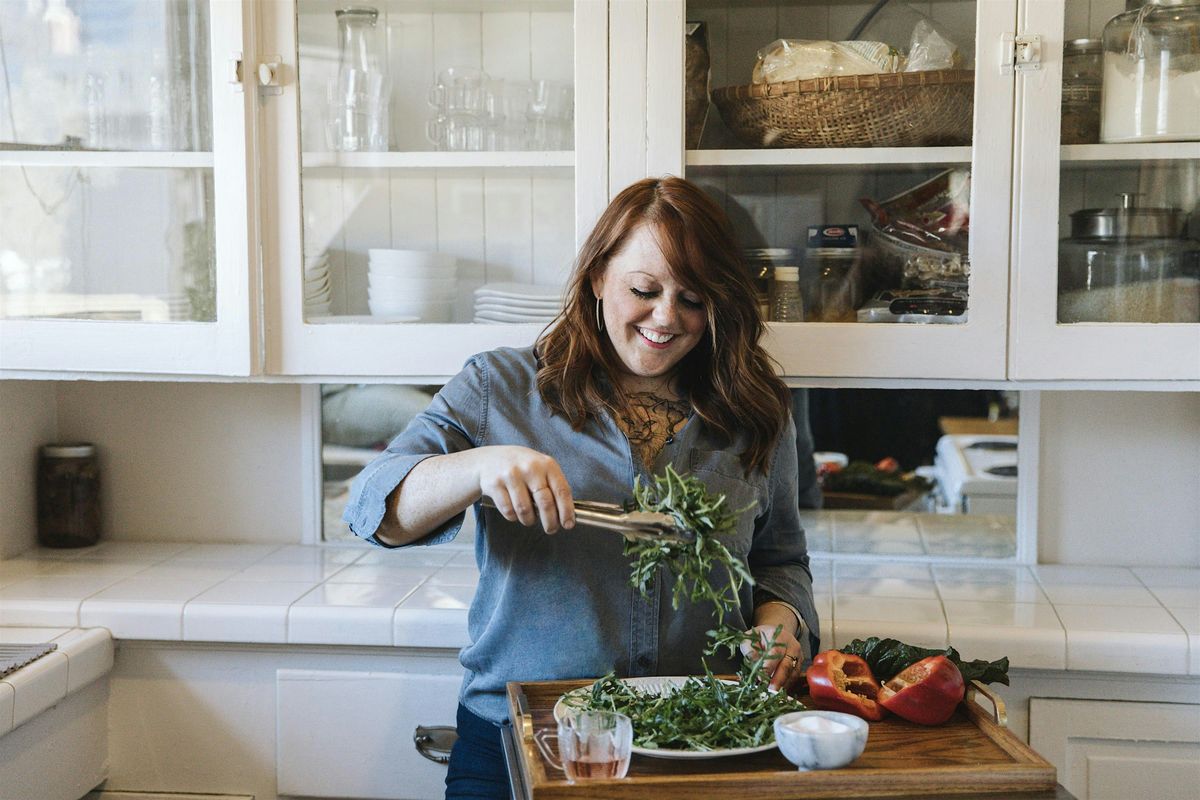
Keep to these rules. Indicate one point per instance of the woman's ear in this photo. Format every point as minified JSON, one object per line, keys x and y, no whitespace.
{"x":598,"y":285}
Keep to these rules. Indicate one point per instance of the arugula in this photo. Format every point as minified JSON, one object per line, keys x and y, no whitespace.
{"x":687,"y":500}
{"x":889,"y":657}
{"x":705,"y":713}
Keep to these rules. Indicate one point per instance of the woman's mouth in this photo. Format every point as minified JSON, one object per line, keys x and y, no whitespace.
{"x":655,"y":339}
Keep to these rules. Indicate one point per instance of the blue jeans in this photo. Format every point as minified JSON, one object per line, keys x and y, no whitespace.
{"x":477,"y":768}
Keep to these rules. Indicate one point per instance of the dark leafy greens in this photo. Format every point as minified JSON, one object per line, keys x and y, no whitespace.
{"x":694,"y":509}
{"x":888,"y":658}
{"x":705,"y":713}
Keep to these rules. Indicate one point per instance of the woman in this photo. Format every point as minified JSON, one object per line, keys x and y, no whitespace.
{"x":654,"y":361}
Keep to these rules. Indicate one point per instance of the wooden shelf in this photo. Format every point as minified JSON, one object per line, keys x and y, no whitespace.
{"x":106,"y":159}
{"x":832,"y":156}
{"x":441,"y":160}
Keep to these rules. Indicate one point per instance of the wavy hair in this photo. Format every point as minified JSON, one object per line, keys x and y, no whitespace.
{"x":727,"y":377}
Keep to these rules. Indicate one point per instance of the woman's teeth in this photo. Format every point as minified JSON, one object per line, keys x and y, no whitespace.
{"x":657,"y":338}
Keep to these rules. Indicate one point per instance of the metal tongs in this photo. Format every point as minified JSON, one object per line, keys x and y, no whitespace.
{"x":643,"y":525}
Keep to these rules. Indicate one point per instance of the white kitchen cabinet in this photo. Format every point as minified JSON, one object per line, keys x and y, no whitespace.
{"x":1112,"y":750}
{"x":511,"y":214}
{"x":272,"y":195}
{"x":774,"y":194}
{"x":124,"y":193}
{"x":1052,"y":181}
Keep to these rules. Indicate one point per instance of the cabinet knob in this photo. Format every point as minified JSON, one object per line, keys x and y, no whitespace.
{"x":270,"y":71}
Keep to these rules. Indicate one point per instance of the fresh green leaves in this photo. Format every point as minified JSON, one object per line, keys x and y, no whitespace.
{"x":705,"y":713}
{"x":692,"y":563}
{"x":888,"y":658}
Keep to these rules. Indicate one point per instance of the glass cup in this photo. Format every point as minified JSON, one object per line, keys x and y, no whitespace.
{"x":591,"y":744}
{"x":460,"y":91}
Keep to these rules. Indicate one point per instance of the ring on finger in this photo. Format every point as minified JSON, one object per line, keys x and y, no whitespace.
{"x":795,"y":662}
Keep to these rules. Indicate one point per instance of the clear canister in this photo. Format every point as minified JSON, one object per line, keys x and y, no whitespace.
{"x":761,"y":263}
{"x":68,"y":495}
{"x":1152,"y":73}
{"x":832,"y":273}
{"x":1083,"y":71}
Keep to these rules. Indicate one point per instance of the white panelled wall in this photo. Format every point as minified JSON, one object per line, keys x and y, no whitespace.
{"x":222,"y":462}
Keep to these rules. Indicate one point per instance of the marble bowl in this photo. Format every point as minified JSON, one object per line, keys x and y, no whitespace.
{"x":819,"y":748}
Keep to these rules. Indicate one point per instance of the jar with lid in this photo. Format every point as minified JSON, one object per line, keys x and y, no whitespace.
{"x":361,"y":90}
{"x":68,"y":495}
{"x":786,"y":303}
{"x":1152,"y":73}
{"x":761,"y":263}
{"x":1083,"y":71}
{"x":1129,"y":264}
{"x":831,"y":263}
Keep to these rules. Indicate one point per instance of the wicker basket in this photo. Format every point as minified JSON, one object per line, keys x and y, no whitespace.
{"x":897,"y":109}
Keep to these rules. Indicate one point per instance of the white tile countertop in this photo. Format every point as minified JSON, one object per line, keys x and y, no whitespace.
{"x":82,"y":656}
{"x":1041,"y":617}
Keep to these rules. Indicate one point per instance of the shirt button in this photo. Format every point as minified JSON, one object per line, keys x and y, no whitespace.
{"x":644,"y":661}
{"x":670,"y":439}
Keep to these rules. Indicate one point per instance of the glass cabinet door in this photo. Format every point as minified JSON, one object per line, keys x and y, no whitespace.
{"x":435,"y":194}
{"x":1108,"y":267}
{"x":115,"y":254}
{"x":862,"y":151}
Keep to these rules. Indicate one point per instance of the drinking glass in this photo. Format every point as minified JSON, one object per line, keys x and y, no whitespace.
{"x":591,"y":744}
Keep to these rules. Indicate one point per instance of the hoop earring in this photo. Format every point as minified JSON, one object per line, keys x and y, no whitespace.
{"x":599,"y":317}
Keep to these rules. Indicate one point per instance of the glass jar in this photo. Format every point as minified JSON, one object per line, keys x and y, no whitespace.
{"x":361,"y":92}
{"x":831,"y":263}
{"x":1152,"y":74}
{"x":1129,"y":264}
{"x":1083,"y":71}
{"x":761,"y":263}
{"x":68,"y":495}
{"x":787,"y":304}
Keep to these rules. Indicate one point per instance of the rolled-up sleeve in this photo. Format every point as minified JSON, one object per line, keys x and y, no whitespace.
{"x":778,"y":557}
{"x":455,"y":420}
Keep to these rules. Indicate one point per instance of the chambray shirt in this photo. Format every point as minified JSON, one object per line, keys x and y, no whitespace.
{"x":561,"y":607}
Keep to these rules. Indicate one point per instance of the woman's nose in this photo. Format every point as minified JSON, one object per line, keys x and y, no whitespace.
{"x":665,"y":312}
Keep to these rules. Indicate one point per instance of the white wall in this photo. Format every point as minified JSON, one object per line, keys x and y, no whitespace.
{"x":193,"y":461}
{"x":1120,"y":479}
{"x":27,"y":420}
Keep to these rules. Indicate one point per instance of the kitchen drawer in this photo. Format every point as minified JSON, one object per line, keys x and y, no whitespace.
{"x":350,"y":734}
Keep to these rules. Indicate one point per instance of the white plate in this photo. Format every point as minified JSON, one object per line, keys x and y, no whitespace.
{"x":665,"y":685}
{"x":357,"y":319}
{"x":504,"y":316}
{"x":520,"y":291}
{"x":515,"y":306}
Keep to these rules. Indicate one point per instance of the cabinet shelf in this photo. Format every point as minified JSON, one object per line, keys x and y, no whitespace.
{"x":832,"y":156}
{"x":1078,"y":155}
{"x":114,"y":159}
{"x":441,"y":160}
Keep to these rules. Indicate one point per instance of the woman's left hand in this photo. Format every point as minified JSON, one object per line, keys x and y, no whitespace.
{"x":784,"y":661}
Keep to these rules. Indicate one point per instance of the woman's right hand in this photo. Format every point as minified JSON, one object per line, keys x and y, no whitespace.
{"x":525,"y":486}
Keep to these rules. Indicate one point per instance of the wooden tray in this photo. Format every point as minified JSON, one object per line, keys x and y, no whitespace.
{"x":973,"y":753}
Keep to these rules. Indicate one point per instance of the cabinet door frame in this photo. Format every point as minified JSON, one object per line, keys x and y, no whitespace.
{"x":227,"y":346}
{"x":420,"y":353}
{"x":1040,"y":347}
{"x":974,"y":350}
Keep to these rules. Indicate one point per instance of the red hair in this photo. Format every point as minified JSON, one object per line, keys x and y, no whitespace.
{"x":727,"y":376}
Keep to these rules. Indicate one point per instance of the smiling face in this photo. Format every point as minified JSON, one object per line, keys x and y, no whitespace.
{"x":650,"y":318}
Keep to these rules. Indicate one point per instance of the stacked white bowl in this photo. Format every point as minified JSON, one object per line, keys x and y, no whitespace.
{"x":318,"y":292}
{"x":411,"y":284}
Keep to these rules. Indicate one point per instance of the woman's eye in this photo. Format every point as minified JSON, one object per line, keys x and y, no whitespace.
{"x":691,"y":303}
{"x":643,"y":295}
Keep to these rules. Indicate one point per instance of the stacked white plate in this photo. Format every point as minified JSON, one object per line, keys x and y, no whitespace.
{"x":318,"y":288}
{"x":411,"y":283}
{"x":517,"y":302}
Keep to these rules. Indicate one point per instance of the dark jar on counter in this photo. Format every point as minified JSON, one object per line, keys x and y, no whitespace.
{"x":68,"y":495}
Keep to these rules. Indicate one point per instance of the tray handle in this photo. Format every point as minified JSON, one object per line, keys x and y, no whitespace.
{"x":526,"y":721}
{"x":999,"y":712}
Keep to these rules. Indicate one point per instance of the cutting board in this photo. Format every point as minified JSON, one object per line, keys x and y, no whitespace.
{"x":973,"y":753}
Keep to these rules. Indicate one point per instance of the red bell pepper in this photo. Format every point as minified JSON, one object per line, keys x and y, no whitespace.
{"x":926,"y":692}
{"x":838,"y":681}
